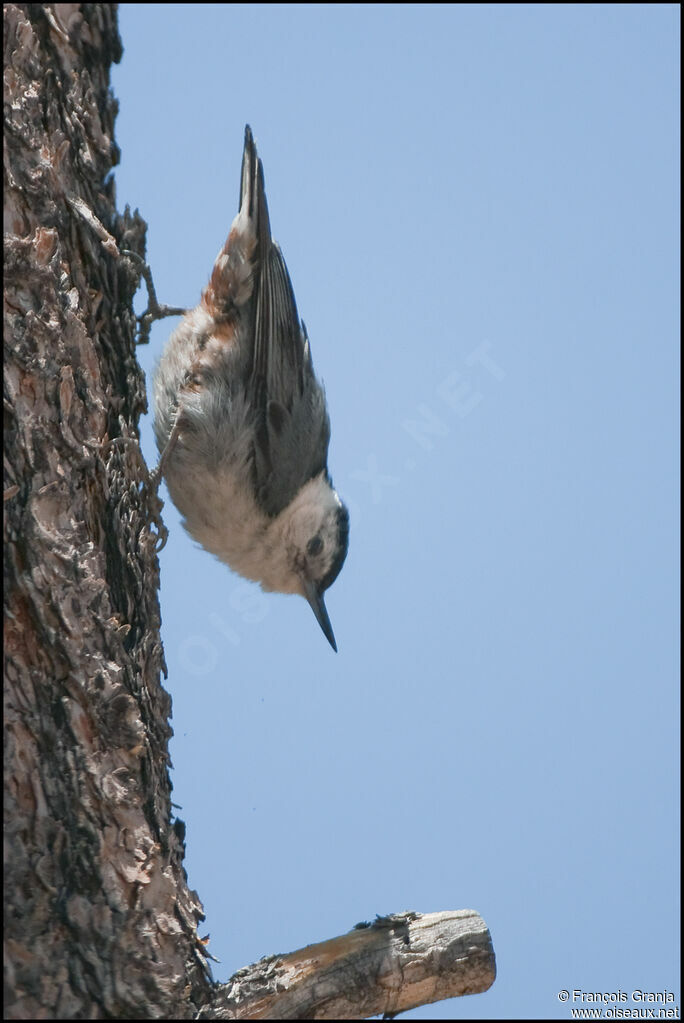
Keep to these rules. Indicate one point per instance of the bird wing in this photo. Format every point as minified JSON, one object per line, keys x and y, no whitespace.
{"x":292,"y":430}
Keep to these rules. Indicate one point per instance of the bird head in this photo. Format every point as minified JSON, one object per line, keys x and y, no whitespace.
{"x":316,"y":540}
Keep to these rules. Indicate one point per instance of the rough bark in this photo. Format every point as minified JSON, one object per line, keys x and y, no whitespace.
{"x":99,"y":920}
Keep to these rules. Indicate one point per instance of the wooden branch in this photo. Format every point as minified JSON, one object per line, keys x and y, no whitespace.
{"x":394,"y":964}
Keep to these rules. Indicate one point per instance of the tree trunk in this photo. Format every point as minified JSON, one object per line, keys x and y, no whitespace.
{"x":99,"y":921}
{"x":99,"y":918}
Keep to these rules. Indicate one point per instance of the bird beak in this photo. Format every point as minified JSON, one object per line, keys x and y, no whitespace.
{"x":318,"y":607}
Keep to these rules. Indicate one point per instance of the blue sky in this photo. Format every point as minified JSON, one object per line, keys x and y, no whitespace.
{"x":479,"y":209}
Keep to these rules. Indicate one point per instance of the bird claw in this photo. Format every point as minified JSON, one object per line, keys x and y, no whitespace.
{"x":156,"y":504}
{"x":150,"y":485}
{"x":155,"y":310}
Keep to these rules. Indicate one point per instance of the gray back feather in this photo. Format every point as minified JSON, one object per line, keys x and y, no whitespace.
{"x":292,"y":430}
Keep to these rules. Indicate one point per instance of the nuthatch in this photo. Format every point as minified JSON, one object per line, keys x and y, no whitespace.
{"x":241,"y":420}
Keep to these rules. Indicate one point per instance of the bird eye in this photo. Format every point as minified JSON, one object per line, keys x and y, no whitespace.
{"x":314,"y":546}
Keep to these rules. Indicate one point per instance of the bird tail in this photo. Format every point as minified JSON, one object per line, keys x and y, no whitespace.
{"x":248,"y":242}
{"x":253,"y":207}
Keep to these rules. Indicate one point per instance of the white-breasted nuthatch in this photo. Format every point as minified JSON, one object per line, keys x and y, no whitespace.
{"x":241,"y":420}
